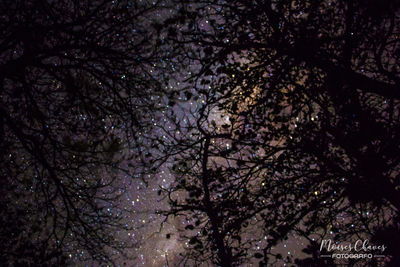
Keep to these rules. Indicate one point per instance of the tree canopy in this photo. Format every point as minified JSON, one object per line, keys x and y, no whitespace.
{"x":75,"y":92}
{"x":296,"y":130}
{"x":277,"y":119}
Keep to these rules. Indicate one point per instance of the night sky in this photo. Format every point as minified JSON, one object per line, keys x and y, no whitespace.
{"x":212,"y":133}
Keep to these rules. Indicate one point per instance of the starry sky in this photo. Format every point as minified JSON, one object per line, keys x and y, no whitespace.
{"x":159,"y":242}
{"x":151,"y":239}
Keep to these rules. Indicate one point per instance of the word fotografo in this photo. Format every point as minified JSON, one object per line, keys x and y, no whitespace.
{"x":358,"y":249}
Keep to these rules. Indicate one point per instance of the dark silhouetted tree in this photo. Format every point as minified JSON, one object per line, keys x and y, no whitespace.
{"x":296,"y":130}
{"x":75,"y":88}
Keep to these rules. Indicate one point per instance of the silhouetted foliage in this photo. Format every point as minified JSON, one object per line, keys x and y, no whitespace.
{"x":75,"y":87}
{"x":297,"y":126}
